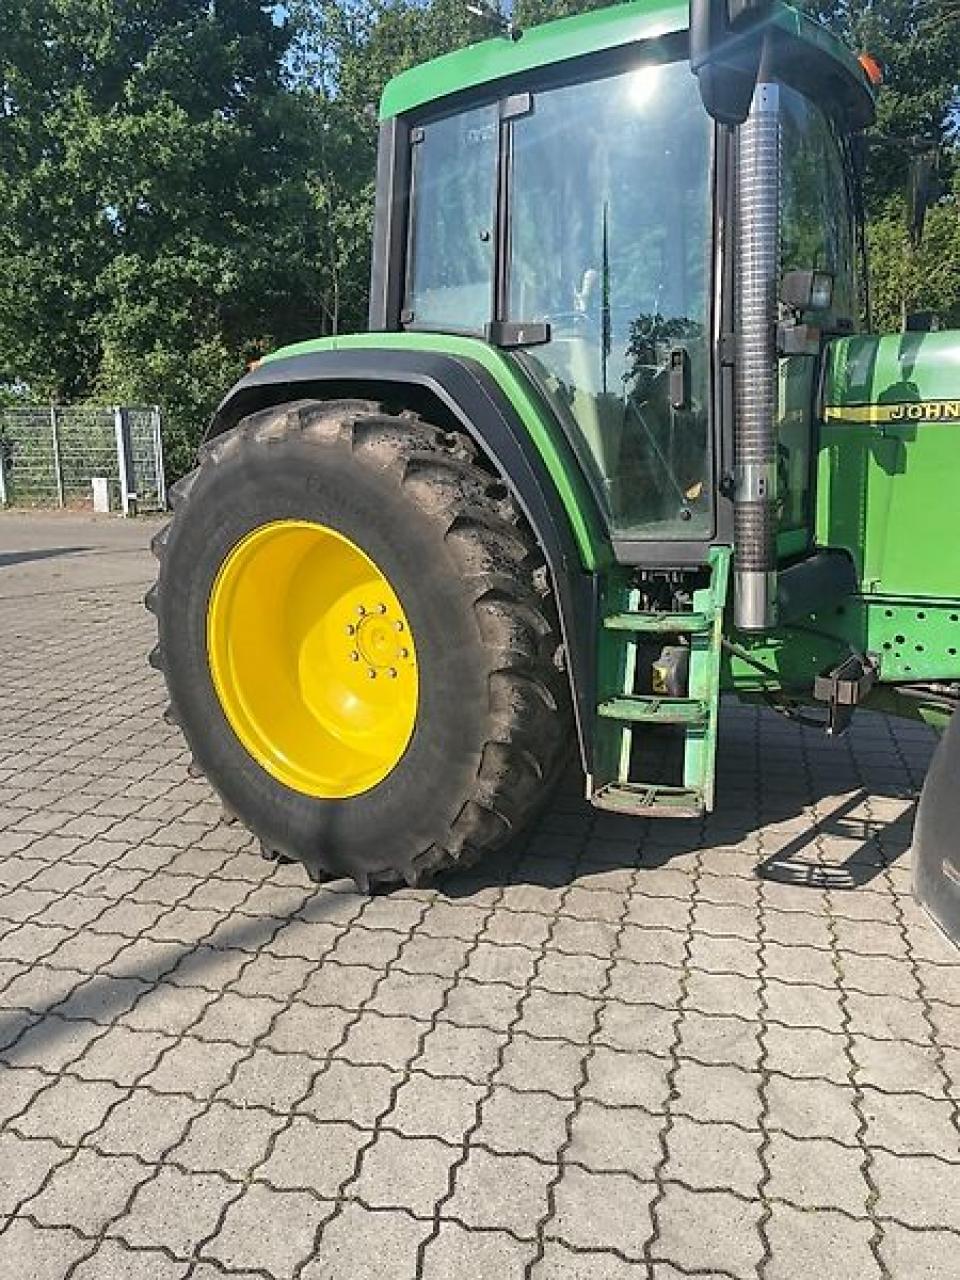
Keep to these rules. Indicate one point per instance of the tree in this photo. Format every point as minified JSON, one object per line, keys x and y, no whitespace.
{"x":158,"y":221}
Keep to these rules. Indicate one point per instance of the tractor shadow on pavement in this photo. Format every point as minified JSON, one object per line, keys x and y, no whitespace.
{"x":825,"y":830}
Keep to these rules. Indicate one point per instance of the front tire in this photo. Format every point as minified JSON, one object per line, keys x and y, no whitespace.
{"x":287,"y":518}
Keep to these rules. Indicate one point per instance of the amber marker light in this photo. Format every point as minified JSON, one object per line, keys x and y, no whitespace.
{"x":873,"y":69}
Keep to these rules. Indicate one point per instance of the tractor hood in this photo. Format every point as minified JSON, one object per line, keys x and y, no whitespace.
{"x":889,"y":461}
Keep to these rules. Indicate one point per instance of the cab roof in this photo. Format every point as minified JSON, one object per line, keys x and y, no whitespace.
{"x":616,"y":27}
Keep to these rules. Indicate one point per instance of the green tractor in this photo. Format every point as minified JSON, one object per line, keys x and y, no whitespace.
{"x":615,"y":444}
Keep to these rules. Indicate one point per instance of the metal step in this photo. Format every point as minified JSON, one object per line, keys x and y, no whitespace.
{"x":648,"y":799}
{"x":653,"y":710}
{"x":660,"y":623}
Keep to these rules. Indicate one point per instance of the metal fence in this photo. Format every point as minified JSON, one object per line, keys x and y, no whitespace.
{"x":50,"y":456}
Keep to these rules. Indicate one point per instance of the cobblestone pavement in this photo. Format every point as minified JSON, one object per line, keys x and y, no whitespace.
{"x":721,"y":1048}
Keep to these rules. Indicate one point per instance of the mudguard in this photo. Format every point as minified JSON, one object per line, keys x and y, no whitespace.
{"x":474,"y":399}
{"x":936,"y":838}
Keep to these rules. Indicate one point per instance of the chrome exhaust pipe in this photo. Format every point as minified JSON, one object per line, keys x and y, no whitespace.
{"x":755,"y":385}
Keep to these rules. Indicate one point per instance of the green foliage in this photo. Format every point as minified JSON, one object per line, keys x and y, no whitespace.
{"x":186,"y":183}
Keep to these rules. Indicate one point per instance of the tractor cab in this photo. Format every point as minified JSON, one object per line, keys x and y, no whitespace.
{"x":581,"y":213}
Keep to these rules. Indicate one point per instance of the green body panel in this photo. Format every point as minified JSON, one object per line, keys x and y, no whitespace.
{"x":567,"y":38}
{"x":545,"y":431}
{"x":889,"y":462}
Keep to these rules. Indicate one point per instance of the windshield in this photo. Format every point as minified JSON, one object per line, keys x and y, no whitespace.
{"x":603,"y":235}
{"x":609,"y":244}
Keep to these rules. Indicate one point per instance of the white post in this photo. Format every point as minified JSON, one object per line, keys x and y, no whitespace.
{"x":158,"y":455}
{"x":3,"y":473}
{"x":121,"y":460}
{"x":57,"y":468}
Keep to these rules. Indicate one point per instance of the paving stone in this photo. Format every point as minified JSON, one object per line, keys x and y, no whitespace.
{"x":168,"y":1008}
{"x":305,"y":1029}
{"x":269,"y":1079}
{"x":112,"y":1261}
{"x":602,"y":1210}
{"x":122,"y":1055}
{"x":919,"y":1191}
{"x":399,"y":1172}
{"x":630,"y":1027}
{"x":627,"y":1079}
{"x":430,"y":1107}
{"x":52,"y":1044}
{"x":920,"y":1255}
{"x":711,"y":1229}
{"x":31,"y":1253}
{"x":239,"y":1019}
{"x":312,"y":1156}
{"x":358,"y":1094}
{"x":69,"y":1109}
{"x":224,"y":1139}
{"x":825,"y":1244}
{"x":615,"y":1139}
{"x":504,"y":1191}
{"x":174,"y":1210}
{"x":561,"y":1263}
{"x":912,"y":1125}
{"x":800,"y":1052}
{"x":402,"y":994}
{"x":24,"y":1164}
{"x":88,"y":1191}
{"x":812,"y":1109}
{"x":803,"y":1005}
{"x":526,"y":1065}
{"x":146,"y":1125}
{"x":267,"y":1229}
{"x":17,"y":1088}
{"x":814,"y":1173}
{"x":471,"y":1052}
{"x":713,"y":1156}
{"x":492,"y":1005}
{"x":723,"y":1094}
{"x":531,"y":1123}
{"x":552,"y":1016}
{"x":361,"y":1244}
{"x":481,"y":1255}
{"x":199,"y":1067}
{"x":885,"y":1064}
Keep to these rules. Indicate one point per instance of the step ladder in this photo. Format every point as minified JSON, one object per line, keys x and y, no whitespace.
{"x":622,"y":713}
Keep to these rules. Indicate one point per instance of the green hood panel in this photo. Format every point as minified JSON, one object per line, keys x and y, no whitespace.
{"x":889,"y":461}
{"x":542,"y":426}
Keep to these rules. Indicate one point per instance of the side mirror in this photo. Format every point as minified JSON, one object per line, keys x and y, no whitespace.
{"x":725,"y":53}
{"x":925,"y":190}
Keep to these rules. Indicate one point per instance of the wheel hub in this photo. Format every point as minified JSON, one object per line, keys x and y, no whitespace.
{"x":312,"y":659}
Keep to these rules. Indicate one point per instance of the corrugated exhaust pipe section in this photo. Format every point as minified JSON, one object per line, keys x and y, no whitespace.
{"x":755,"y":438}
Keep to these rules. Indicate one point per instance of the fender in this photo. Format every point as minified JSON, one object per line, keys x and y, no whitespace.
{"x":474,"y":399}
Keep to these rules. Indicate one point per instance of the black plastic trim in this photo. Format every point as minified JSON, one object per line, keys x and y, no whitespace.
{"x":477,"y":403}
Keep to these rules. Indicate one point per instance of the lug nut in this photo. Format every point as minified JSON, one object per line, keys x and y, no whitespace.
{"x":381,"y":608}
{"x":354,"y":657}
{"x":398,"y":626}
{"x":351,"y":629}
{"x":371,"y":673}
{"x":403,"y":653}
{"x":391,"y":673}
{"x":360,"y":610}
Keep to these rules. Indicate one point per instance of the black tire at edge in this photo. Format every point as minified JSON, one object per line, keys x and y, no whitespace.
{"x":493,"y":723}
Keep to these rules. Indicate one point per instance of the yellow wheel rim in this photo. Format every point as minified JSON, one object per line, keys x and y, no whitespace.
{"x":312,"y":659}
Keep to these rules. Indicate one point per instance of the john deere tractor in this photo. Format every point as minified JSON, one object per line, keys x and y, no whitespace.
{"x":616,"y":442}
